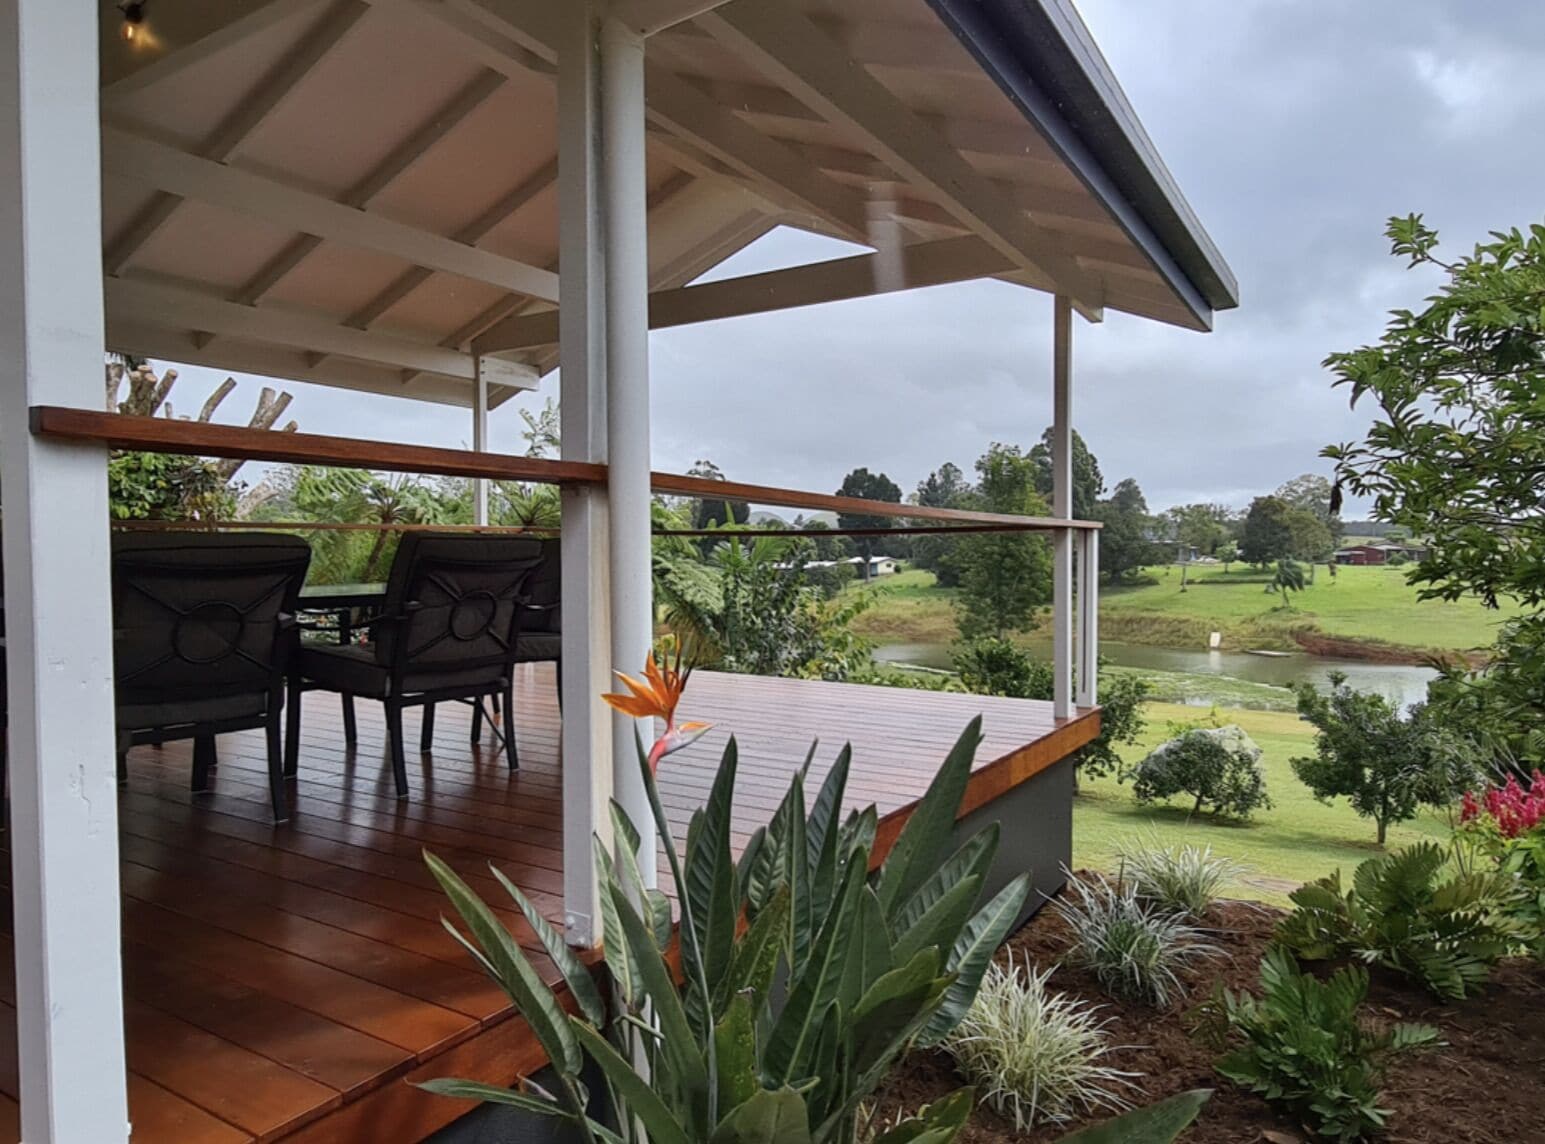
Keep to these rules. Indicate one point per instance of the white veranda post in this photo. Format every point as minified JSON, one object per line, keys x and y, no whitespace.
{"x":605,"y":406}
{"x":1062,"y":507}
{"x":480,"y":442}
{"x":64,"y":825}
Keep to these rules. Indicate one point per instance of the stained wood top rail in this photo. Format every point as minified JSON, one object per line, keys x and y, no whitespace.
{"x":200,"y":438}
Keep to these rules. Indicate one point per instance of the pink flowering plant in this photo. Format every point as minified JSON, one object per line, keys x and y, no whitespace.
{"x":1506,"y":824}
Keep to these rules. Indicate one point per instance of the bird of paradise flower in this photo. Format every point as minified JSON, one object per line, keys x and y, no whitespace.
{"x":656,"y":696}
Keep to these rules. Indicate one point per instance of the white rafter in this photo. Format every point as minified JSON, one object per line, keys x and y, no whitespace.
{"x":799,"y":56}
{"x":136,"y":157}
{"x":255,"y":109}
{"x":922,"y":264}
{"x":647,"y":17}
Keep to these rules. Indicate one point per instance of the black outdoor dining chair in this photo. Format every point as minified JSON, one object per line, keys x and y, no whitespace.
{"x":539,"y":640}
{"x":447,"y":630}
{"x":203,"y":629}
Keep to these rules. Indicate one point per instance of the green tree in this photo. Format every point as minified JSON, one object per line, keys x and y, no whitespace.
{"x":1127,"y":538}
{"x":1288,"y":577}
{"x":865,"y":485}
{"x":1267,"y":535}
{"x":1228,"y":553}
{"x":1314,"y":494}
{"x":945,"y":487}
{"x":1205,"y":527}
{"x":708,"y":512}
{"x":1456,"y":455}
{"x":1088,"y":483}
{"x":1005,"y":577}
{"x":1385,"y":764}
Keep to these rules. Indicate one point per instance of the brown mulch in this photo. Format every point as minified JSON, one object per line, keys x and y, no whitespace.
{"x":1486,"y":1086}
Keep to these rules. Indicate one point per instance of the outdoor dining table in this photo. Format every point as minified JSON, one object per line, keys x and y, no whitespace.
{"x":341,"y":601}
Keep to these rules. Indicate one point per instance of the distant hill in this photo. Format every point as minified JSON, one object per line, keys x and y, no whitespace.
{"x":762,"y":516}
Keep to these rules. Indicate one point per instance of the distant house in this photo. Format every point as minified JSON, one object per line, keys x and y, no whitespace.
{"x":878,"y":565}
{"x":1380,"y":553}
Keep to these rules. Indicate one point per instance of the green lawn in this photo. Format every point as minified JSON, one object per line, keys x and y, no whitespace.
{"x":1298,"y":839}
{"x":1357,"y":603}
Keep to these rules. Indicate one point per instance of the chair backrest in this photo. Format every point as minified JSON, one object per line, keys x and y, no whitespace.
{"x":457,"y":599}
{"x":544,"y":593}
{"x":200,"y":615}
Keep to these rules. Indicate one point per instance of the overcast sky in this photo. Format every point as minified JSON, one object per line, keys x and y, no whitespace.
{"x":1294,"y":127}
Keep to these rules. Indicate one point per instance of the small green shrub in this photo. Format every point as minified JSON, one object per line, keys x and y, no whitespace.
{"x":1219,"y":768}
{"x":1034,"y":1055}
{"x":990,"y":665}
{"x":1407,"y":911}
{"x":1184,"y":879}
{"x":1303,"y":1047}
{"x":1135,"y":949}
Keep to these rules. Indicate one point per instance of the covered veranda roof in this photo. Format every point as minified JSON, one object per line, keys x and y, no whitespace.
{"x":363,"y":194}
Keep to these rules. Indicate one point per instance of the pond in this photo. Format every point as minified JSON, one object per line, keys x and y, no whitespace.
{"x":1403,"y":683}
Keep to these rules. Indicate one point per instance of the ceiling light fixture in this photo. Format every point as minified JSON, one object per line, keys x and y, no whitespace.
{"x":133,"y":16}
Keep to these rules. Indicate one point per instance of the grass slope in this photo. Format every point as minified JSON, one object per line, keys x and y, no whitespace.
{"x":1366,"y":604}
{"x":1372,"y":606}
{"x":1297,"y":840}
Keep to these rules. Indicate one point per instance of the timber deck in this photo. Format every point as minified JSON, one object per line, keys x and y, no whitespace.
{"x":286,"y":983}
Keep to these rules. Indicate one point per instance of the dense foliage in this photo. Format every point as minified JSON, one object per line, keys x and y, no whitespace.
{"x":1184,"y":879}
{"x":992,"y":666}
{"x":1303,"y":1046}
{"x":1385,"y":764}
{"x":1456,"y":455}
{"x":1005,"y":577}
{"x":1219,"y":768}
{"x":158,"y":486}
{"x":750,"y":606}
{"x":1411,"y":913}
{"x":867,"y":966}
{"x":1505,"y":827}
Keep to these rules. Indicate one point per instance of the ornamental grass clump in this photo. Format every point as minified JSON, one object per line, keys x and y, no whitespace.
{"x":1135,"y":949}
{"x":1034,"y":1055}
{"x":1185,"y":879}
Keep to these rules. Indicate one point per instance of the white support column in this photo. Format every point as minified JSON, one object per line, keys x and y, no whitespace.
{"x":64,"y":794}
{"x":480,"y":442}
{"x":1062,"y":507}
{"x":1089,"y":618}
{"x":586,"y":556}
{"x":625,"y":196}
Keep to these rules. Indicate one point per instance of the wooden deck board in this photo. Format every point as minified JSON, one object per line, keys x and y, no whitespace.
{"x":287,"y":982}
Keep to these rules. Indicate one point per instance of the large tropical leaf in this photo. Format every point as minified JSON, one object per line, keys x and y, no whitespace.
{"x":735,"y":1052}
{"x":619,"y":957}
{"x":710,"y":872}
{"x":1158,"y":1123}
{"x":512,"y":970}
{"x":936,"y":1123}
{"x":576,"y":974}
{"x":758,"y":952}
{"x":870,"y":955}
{"x":925,"y":839}
{"x":974,"y":857}
{"x":941,"y":924}
{"x":887,"y":1013}
{"x":493,"y":1094}
{"x":767,"y":1118}
{"x":971,"y":955}
{"x":635,"y":1092}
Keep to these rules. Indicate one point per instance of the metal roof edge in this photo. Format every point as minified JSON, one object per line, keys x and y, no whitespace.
{"x":1042,"y":55}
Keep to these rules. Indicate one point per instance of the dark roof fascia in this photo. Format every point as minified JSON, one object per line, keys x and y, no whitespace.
{"x":1042,"y":56}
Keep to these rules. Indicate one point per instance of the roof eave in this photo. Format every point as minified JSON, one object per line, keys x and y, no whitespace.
{"x":1042,"y":56}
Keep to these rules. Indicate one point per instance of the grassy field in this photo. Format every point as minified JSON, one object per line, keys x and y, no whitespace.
{"x":1298,"y":839}
{"x":1365,"y":604}
{"x":1360,"y":605}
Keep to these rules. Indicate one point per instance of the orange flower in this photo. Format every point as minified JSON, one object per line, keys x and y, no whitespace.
{"x":656,"y":697}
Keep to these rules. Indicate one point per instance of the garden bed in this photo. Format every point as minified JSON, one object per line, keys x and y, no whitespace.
{"x":1486,"y":1086}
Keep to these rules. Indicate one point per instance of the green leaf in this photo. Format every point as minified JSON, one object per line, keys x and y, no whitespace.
{"x":822,"y":831}
{"x":816,"y":987}
{"x":941,"y":925}
{"x":756,"y":956}
{"x":870,"y":955}
{"x":926,"y":836}
{"x":886,"y":1014}
{"x":796,"y":875}
{"x":974,"y":857}
{"x":619,"y":957}
{"x":735,"y":1052}
{"x":493,"y":1094}
{"x":679,"y":1049}
{"x":936,"y":1123}
{"x":1158,"y":1123}
{"x":576,"y":974}
{"x":710,"y":872}
{"x":754,"y":894}
{"x":513,"y":971}
{"x":767,"y":1118}
{"x":634,"y":1091}
{"x":972,"y":954}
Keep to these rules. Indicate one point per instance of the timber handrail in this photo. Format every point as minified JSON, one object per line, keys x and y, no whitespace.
{"x":201,"y":438}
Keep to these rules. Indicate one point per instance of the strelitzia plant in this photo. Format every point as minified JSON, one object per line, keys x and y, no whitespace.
{"x":867,"y":964}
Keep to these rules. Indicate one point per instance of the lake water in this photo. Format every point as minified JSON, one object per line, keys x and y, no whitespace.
{"x":1404,"y":683}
